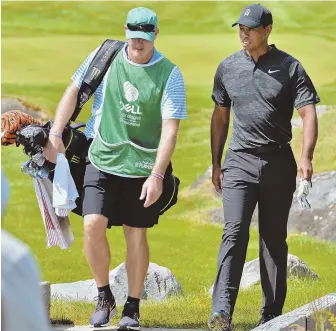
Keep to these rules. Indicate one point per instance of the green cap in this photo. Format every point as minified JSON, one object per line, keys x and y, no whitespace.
{"x":141,"y":15}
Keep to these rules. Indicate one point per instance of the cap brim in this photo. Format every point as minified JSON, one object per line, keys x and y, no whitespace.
{"x":140,"y":34}
{"x":249,"y":23}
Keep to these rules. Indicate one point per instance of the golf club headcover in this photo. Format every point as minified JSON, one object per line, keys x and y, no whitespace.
{"x":13,"y":121}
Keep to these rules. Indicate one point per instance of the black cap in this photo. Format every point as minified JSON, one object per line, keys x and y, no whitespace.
{"x":254,"y":16}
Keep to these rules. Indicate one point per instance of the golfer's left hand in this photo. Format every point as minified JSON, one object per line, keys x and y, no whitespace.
{"x":151,"y":190}
{"x":305,"y":169}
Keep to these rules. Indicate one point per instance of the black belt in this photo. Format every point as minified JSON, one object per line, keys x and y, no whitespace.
{"x":264,"y":149}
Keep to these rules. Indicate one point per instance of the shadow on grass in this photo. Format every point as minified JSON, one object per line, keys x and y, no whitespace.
{"x":61,"y":321}
{"x":194,"y":326}
{"x":240,"y":326}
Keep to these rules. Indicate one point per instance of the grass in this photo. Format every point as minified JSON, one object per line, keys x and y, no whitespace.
{"x":29,"y":18}
{"x":191,"y":310}
{"x":42,"y":45}
{"x":198,"y":64}
{"x":325,"y":152}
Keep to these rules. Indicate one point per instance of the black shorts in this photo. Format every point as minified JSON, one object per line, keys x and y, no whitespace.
{"x":117,"y":198}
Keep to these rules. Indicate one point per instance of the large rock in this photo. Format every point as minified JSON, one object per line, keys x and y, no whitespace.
{"x":320,"y":110}
{"x":160,"y":283}
{"x":322,"y":194}
{"x":45,"y":288}
{"x":203,"y":179}
{"x":319,"y":221}
{"x":316,"y":315}
{"x":251,"y":271}
{"x":8,"y":104}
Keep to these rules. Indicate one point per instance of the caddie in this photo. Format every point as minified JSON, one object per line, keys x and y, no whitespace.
{"x":134,"y":124}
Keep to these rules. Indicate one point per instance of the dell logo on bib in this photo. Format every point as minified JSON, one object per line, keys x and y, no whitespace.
{"x":128,"y":108}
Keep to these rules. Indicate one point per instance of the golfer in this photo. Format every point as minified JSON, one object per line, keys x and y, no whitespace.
{"x":261,"y":84}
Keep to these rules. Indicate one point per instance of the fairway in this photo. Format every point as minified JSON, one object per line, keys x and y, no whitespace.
{"x":197,"y":56}
{"x":42,"y":46}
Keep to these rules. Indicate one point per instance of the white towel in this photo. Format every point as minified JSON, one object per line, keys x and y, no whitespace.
{"x":64,"y":188}
{"x":57,"y":228}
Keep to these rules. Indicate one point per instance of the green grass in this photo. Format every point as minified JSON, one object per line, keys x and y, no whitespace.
{"x":29,"y":18}
{"x":192,"y":310}
{"x":325,"y":151}
{"x":187,"y":247}
{"x":42,"y":45}
{"x":197,"y":63}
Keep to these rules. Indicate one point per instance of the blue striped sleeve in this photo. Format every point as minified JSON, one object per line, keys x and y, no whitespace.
{"x":78,"y":76}
{"x":173,"y":104}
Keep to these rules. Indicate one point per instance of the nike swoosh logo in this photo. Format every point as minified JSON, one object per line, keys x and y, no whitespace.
{"x":271,"y":71}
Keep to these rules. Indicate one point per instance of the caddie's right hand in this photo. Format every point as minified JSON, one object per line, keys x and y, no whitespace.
{"x":217,"y":177}
{"x":53,"y":146}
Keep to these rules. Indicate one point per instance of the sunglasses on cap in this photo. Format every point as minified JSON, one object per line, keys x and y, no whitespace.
{"x":141,"y":27}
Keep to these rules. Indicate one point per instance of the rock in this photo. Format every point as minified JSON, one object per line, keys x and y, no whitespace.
{"x":45,"y":289}
{"x":322,"y":194}
{"x":216,"y":216}
{"x":8,"y":104}
{"x":316,"y":315}
{"x":295,"y":267}
{"x":251,"y":274}
{"x":320,"y":110}
{"x":203,"y":186}
{"x":206,"y":177}
{"x":160,"y":283}
{"x":319,"y":221}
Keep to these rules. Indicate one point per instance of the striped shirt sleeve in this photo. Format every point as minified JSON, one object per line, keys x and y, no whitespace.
{"x":174,"y":97}
{"x":78,"y":76}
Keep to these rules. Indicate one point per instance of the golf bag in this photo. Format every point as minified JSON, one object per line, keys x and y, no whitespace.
{"x":34,"y":137}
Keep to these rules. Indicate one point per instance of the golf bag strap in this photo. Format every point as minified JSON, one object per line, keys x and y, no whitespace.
{"x":96,"y":72}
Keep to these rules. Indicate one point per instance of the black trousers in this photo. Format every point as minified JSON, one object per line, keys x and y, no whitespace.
{"x":268,"y":179}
